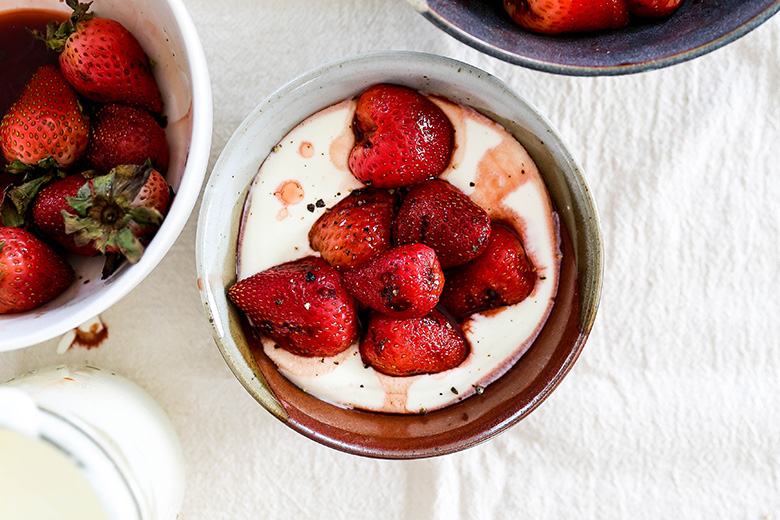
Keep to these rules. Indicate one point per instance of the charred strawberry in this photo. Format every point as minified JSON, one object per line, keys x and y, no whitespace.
{"x":122,"y":134}
{"x":31,"y":273}
{"x":402,"y":138}
{"x":102,"y":60}
{"x":439,"y":215}
{"x":46,"y":121}
{"x":404,"y":282}
{"x":565,"y":16}
{"x":405,"y":347}
{"x":117,"y":212}
{"x":301,"y":305}
{"x":502,"y":275}
{"x":356,"y":229}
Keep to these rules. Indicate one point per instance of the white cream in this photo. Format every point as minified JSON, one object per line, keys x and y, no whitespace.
{"x":488,"y":165}
{"x":123,"y":442}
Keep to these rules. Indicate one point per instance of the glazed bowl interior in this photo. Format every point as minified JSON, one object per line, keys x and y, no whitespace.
{"x":698,"y":27}
{"x":472,"y":420}
{"x":168,"y":36}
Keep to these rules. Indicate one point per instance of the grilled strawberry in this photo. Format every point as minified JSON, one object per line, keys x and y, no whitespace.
{"x":356,"y":229}
{"x":31,"y":273}
{"x":502,"y":275}
{"x":653,"y":8}
{"x":405,"y":347}
{"x":567,"y":16}
{"x":102,"y":60}
{"x":46,"y":121}
{"x":122,"y":134}
{"x":402,"y":138}
{"x":117,"y":212}
{"x":404,"y":282}
{"x":301,"y":305}
{"x":439,"y":215}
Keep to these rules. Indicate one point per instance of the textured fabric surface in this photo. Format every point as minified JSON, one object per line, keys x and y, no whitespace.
{"x":671,"y":411}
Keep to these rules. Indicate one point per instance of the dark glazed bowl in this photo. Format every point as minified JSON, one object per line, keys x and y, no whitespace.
{"x":698,"y":27}
{"x":505,"y":401}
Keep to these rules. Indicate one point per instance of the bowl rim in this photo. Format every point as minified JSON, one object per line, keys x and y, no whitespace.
{"x":198,"y":152}
{"x":212,"y":298}
{"x":483,"y":46}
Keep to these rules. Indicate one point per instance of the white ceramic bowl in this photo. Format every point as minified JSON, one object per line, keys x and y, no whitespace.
{"x":168,"y":36}
{"x":458,"y":426}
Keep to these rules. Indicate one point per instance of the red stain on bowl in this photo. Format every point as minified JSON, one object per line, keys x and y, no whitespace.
{"x":306,"y":150}
{"x":289,"y":192}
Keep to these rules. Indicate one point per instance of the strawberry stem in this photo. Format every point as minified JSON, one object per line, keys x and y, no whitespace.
{"x":57,"y":34}
{"x":105,"y":214}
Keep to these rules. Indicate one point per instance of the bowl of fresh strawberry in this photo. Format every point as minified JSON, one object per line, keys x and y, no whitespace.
{"x":104,"y":141}
{"x":399,"y":256}
{"x":596,"y":37}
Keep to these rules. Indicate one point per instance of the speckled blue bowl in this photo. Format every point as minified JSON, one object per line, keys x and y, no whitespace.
{"x":698,"y":27}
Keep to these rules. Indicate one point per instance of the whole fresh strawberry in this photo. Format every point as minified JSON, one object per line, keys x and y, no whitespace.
{"x":439,"y":215}
{"x":47,"y":211}
{"x":403,"y":282}
{"x":501,"y":275}
{"x":31,"y":273}
{"x":117,"y":212}
{"x":356,"y":229}
{"x":301,"y":305}
{"x":652,"y":8}
{"x":46,"y":121}
{"x":102,"y":60}
{"x":123,"y":134}
{"x":402,"y":138}
{"x":567,"y":16}
{"x":405,"y":347}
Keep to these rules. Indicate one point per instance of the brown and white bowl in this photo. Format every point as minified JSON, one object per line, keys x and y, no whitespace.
{"x":477,"y":418}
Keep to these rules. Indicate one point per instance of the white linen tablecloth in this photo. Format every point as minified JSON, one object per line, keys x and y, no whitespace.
{"x":672,"y":409}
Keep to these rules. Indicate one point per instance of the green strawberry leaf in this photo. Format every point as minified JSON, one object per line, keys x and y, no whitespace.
{"x":23,"y":195}
{"x":129,"y":245}
{"x":18,"y":167}
{"x":146,"y":216}
{"x":9,"y":216}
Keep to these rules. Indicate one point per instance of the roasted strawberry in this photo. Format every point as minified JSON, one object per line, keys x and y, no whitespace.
{"x":403,"y":282}
{"x":439,"y":215}
{"x":122,"y":134}
{"x":356,"y":229}
{"x":46,"y":121}
{"x":501,"y":275}
{"x":117,"y":212}
{"x":31,"y":273}
{"x":405,"y":347}
{"x":567,"y":16}
{"x":301,"y":305}
{"x":653,"y":8}
{"x":102,"y":60}
{"x":402,"y":138}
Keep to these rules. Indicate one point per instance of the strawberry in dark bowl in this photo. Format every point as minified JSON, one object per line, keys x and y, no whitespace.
{"x":58,"y":181}
{"x":597,"y":37}
{"x":417,"y":380}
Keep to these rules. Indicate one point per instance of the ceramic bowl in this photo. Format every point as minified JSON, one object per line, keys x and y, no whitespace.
{"x":698,"y":27}
{"x":167,"y":34}
{"x":475,"y":419}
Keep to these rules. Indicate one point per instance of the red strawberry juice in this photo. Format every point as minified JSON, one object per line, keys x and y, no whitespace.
{"x":489,"y":166}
